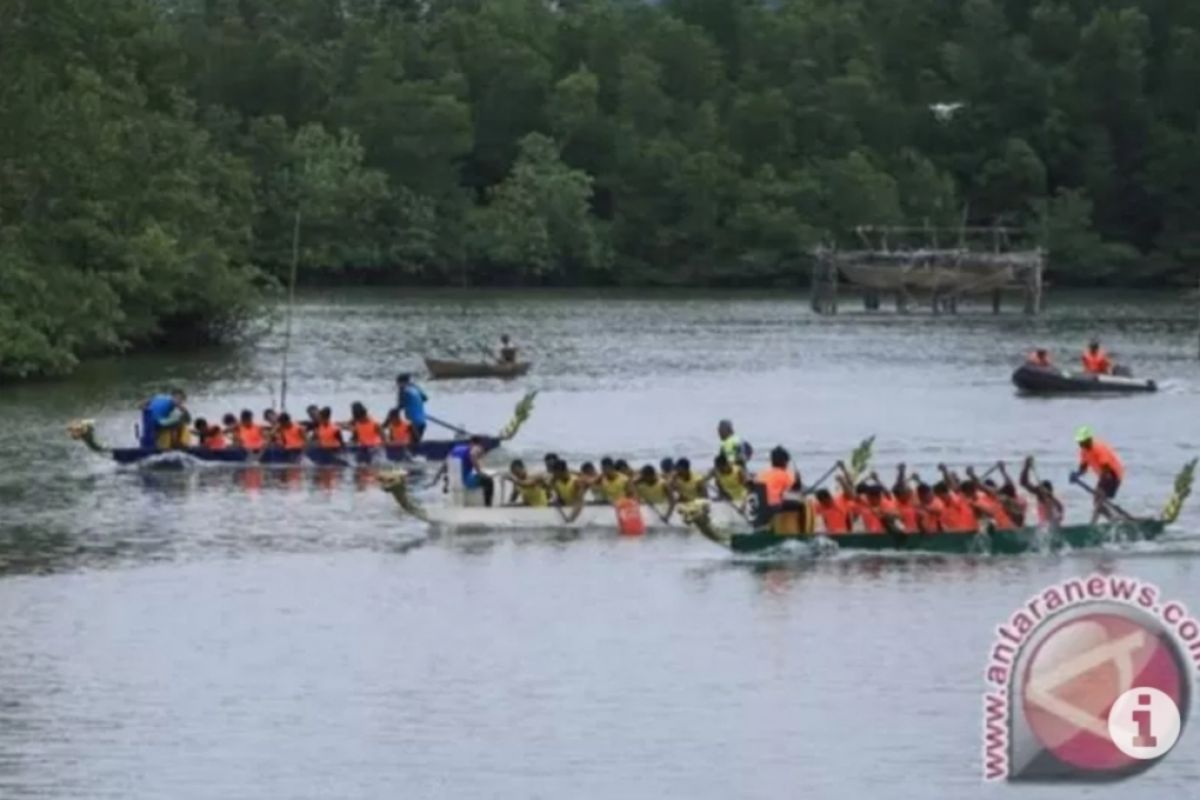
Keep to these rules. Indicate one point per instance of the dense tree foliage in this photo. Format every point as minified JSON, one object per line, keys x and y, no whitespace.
{"x":157,"y":155}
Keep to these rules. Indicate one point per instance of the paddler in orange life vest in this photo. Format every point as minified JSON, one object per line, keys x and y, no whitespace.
{"x":288,"y":434}
{"x":876,"y":508}
{"x":248,"y":435}
{"x":834,"y":512}
{"x":1039,"y":358}
{"x":210,"y":437}
{"x":773,"y":483}
{"x":1049,"y":510}
{"x":364,"y":430}
{"x":1095,"y":360}
{"x":907,"y":507}
{"x":1098,"y":457}
{"x":987,"y":502}
{"x":958,"y":513}
{"x":397,"y":429}
{"x":327,"y":432}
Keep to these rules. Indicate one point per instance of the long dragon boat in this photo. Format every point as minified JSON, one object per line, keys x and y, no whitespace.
{"x":987,"y":541}
{"x":84,"y":431}
{"x":595,"y":516}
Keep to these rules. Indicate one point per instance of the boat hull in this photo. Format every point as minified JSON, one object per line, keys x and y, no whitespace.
{"x":1030,"y":379}
{"x":1009,"y":542}
{"x":430,"y":449}
{"x":598,"y":516}
{"x":449,"y":370}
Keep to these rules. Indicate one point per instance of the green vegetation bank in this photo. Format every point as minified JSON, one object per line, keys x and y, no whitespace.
{"x":154,"y":154}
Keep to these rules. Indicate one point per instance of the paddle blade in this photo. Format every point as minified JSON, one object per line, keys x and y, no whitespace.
{"x":1182,"y":490}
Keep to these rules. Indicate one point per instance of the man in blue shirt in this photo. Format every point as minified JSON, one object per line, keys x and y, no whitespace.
{"x":164,"y":420}
{"x":411,"y":399}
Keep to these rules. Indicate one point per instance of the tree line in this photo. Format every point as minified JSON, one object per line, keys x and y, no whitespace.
{"x":156,"y":155}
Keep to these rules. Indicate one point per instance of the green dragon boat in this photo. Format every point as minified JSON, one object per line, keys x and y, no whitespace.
{"x":987,"y":541}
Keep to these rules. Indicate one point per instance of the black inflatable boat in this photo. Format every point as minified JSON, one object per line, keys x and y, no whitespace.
{"x":1031,"y":379}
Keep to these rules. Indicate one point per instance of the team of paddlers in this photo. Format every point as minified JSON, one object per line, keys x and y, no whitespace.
{"x":1094,"y":360}
{"x":167,"y":424}
{"x":907,"y":505}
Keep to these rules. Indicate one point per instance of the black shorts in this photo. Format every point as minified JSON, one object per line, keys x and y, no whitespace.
{"x":418,"y":433}
{"x":1108,"y":485}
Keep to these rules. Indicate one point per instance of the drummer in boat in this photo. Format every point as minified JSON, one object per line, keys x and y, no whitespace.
{"x":1095,"y":360}
{"x":411,"y":399}
{"x":165,"y":421}
{"x":1102,"y":460}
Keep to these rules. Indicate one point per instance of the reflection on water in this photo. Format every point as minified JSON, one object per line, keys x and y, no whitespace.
{"x":269,"y":633}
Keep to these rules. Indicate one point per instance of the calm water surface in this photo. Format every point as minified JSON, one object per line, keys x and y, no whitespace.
{"x":220,"y":633}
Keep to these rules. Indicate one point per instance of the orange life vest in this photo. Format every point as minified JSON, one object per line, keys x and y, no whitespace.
{"x":958,"y":516}
{"x":401,"y":432}
{"x":909,"y":513}
{"x":996,"y":511}
{"x":250,"y":436}
{"x":835,"y":516}
{"x":1098,"y":457}
{"x":629,"y":517}
{"x":291,"y":437}
{"x":328,"y":436}
{"x":366,"y":433}
{"x":1096,"y":363}
{"x":776,"y":481}
{"x":929,"y":515}
{"x":874,"y":517}
{"x":214,"y":438}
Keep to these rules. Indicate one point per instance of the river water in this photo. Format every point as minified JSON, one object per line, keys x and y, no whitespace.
{"x":220,"y":633}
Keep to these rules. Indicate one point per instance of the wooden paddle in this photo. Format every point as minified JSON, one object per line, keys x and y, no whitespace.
{"x":1102,"y":499}
{"x":447,"y":425}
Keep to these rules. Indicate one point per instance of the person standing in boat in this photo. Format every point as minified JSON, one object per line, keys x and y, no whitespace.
{"x":1095,"y":360}
{"x":508,"y":350}
{"x":411,"y":399}
{"x":732,"y":446}
{"x":1098,"y":457}
{"x":164,"y":421}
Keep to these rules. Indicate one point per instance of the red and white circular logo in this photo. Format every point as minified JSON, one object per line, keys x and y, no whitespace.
{"x":1102,"y":692}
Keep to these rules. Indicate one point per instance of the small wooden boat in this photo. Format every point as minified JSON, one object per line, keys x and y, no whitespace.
{"x":84,"y":431}
{"x":990,"y":541}
{"x":447,"y":370}
{"x":1031,"y":379}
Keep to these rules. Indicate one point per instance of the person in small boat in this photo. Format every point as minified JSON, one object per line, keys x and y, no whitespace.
{"x":288,"y":434}
{"x":730,"y":480}
{"x":364,"y":430}
{"x":1039,"y":358}
{"x":397,"y":429}
{"x":412,"y":400}
{"x":687,"y":485}
{"x":470,"y":457}
{"x":528,"y":490}
{"x":165,"y":421}
{"x":1095,"y":360}
{"x":1098,"y":457}
{"x":1049,"y":510}
{"x":773,"y":483}
{"x":834,"y":512}
{"x":249,"y":435}
{"x":210,"y":437}
{"x":327,"y":432}
{"x":732,"y":446}
{"x":612,"y":482}
{"x":650,"y":486}
{"x":508,"y":351}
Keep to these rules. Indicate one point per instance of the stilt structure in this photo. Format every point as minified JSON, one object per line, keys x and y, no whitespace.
{"x":983,"y":264}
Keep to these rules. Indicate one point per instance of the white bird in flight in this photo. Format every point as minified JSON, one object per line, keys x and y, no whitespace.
{"x":944,"y":111}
